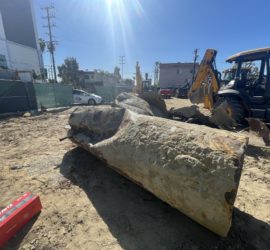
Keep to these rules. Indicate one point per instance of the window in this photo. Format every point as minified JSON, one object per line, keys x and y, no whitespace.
{"x":86,"y":77}
{"x":250,"y":70}
{"x":3,"y":62}
{"x":228,"y":74}
{"x":76,"y":92}
{"x":265,"y":70}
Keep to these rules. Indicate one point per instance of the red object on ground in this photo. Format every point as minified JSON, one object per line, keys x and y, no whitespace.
{"x":17,"y":214}
{"x":166,"y":92}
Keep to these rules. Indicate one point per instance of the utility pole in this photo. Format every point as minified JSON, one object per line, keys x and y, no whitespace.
{"x":122,"y":62}
{"x":51,"y":43}
{"x":156,"y":69}
{"x":194,"y":63}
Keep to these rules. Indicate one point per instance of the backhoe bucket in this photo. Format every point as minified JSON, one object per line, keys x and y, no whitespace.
{"x":195,"y":169}
{"x":156,"y":102}
{"x":202,"y":95}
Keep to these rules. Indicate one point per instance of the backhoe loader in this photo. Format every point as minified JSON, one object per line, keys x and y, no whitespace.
{"x":148,"y":94}
{"x":242,"y":92}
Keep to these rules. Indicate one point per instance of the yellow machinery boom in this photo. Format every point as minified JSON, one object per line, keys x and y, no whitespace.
{"x":206,"y":84}
{"x":152,"y":97}
{"x":139,"y":84}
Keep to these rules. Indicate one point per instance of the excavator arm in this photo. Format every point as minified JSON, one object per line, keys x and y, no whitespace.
{"x":139,"y":89}
{"x":152,"y":97}
{"x":206,"y":84}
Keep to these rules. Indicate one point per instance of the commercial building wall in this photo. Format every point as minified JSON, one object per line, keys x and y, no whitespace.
{"x":98,"y":78}
{"x":175,"y":75}
{"x":3,"y":45}
{"x":22,"y":57}
{"x":18,"y":22}
{"x":18,"y":36}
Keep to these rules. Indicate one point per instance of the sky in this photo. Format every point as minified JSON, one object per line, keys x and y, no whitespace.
{"x":98,"y":32}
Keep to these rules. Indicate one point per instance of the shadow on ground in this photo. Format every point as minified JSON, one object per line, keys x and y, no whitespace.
{"x":139,"y":220}
{"x":257,"y":152}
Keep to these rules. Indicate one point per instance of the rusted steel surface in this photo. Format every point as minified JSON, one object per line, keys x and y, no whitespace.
{"x":195,"y":169}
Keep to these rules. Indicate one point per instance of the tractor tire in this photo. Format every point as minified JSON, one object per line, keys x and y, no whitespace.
{"x":232,"y":112}
{"x":237,"y":110}
{"x":91,"y":102}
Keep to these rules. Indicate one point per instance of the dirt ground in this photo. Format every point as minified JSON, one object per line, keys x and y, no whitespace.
{"x":86,"y":205}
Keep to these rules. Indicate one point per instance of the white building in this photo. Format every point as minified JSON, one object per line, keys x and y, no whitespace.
{"x":19,"y":47}
{"x":176,"y":75}
{"x":98,"y":78}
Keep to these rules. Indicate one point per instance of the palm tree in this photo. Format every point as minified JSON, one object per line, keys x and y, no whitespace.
{"x":42,"y":45}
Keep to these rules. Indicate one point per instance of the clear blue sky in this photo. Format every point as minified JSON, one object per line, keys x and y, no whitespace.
{"x":97,"y":32}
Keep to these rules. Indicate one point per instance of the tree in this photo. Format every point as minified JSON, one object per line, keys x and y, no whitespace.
{"x":250,"y":70}
{"x":42,"y":44}
{"x":117,"y":72}
{"x":69,"y":71}
{"x":51,"y":47}
{"x":129,"y":82}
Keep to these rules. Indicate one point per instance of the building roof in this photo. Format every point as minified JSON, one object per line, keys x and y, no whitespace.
{"x":86,"y":71}
{"x":176,"y":65}
{"x":249,"y":54}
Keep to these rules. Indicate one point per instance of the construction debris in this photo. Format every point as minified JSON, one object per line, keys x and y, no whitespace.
{"x":195,"y":169}
{"x":260,"y":129}
{"x":156,"y":103}
{"x":146,"y":103}
{"x":192,"y":114}
{"x":221,"y":117}
{"x":133,"y":103}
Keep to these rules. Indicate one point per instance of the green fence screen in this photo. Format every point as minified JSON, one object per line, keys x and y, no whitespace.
{"x":16,"y":96}
{"x":20,"y":96}
{"x":53,"y":95}
{"x":108,"y":93}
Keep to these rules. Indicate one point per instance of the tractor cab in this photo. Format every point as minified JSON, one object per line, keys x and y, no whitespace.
{"x":230,"y":74}
{"x":249,"y":81}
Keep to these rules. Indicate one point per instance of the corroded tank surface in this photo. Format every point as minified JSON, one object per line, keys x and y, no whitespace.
{"x":194,"y":168}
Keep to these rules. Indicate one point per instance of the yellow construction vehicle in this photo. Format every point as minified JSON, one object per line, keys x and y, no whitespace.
{"x":244,"y":93}
{"x":206,"y":84}
{"x":142,"y":86}
{"x":150,"y":95}
{"x":138,"y":89}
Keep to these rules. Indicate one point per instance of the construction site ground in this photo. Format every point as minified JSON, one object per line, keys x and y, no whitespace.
{"x":86,"y":205}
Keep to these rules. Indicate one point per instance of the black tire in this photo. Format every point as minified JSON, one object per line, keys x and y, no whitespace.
{"x":238,"y":110}
{"x":91,"y":102}
{"x":235,"y":110}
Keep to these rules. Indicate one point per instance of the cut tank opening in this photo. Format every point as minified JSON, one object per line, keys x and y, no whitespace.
{"x":95,"y":125}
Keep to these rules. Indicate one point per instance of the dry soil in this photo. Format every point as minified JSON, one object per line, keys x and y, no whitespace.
{"x":86,"y":205}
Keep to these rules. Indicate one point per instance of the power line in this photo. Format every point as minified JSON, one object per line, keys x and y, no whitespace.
{"x":122,"y":62}
{"x":51,"y":43}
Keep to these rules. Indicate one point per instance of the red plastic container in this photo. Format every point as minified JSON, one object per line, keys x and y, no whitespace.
{"x":17,"y":214}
